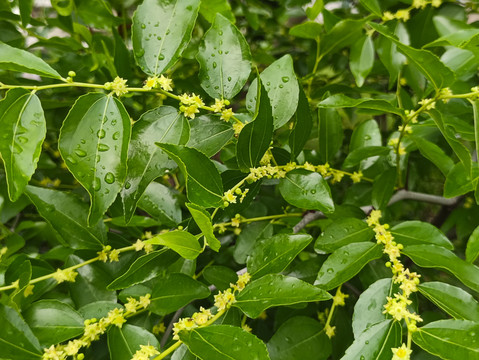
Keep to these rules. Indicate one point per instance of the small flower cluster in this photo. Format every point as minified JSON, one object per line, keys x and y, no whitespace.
{"x":404,"y":14}
{"x":219,"y":107}
{"x":401,"y":150}
{"x":47,"y":182}
{"x":428,"y":104}
{"x":230,"y":198}
{"x":338,"y":300}
{"x":163,"y":82}
{"x":475,"y":91}
{"x":118,"y":86}
{"x":108,"y":253}
{"x":64,"y":275}
{"x":3,"y":251}
{"x":145,"y":352}
{"x":198,"y":319}
{"x":141,"y":245}
{"x":190,"y":105}
{"x":396,"y":306}
{"x":94,"y":329}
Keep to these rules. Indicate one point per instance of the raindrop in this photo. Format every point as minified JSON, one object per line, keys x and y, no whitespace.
{"x":362,"y":357}
{"x":212,"y":55}
{"x":330,"y":270}
{"x":143,"y":26}
{"x":71,"y":160}
{"x":220,"y":51}
{"x":367,"y":137}
{"x":96,"y":184}
{"x":101,"y":134}
{"x":23,"y":139}
{"x":158,"y":38}
{"x":220,"y":33}
{"x":127,"y":185}
{"x":113,"y":122}
{"x":313,"y":191}
{"x":109,"y":178}
{"x":214,"y":65}
{"x":103,"y":147}
{"x":116,"y":135}
{"x":167,"y":32}
{"x":83,"y":141}
{"x":80,"y":153}
{"x":161,"y":57}
{"x":281,"y":86}
{"x":366,"y":342}
{"x":285,"y":79}
{"x":97,"y":158}
{"x":229,"y":78}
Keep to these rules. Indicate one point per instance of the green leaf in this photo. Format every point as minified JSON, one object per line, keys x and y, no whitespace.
{"x":203,"y":220}
{"x":459,"y":181}
{"x":433,"y":256}
{"x":274,"y":254}
{"x":209,"y":135}
{"x":125,"y":341}
{"x":345,"y":262}
{"x":387,"y":51}
{"x":217,"y":342}
{"x":434,"y":153}
{"x":461,"y":39}
{"x":372,"y":6}
{"x":23,"y":130}
{"x":369,"y":308}
{"x":276,"y":290}
{"x":17,"y":339}
{"x":224,"y":58}
{"x":254,"y":139}
{"x":67,"y":214}
{"x":343,"y":101}
{"x":472,"y":248}
{"x":375,"y":342}
{"x":146,"y":161}
{"x":302,"y":125}
{"x":383,"y":188}
{"x":475,"y":107}
{"x":203,"y":181}
{"x":53,"y":321}
{"x":307,"y":30}
{"x":220,"y":276}
{"x":449,"y":339}
{"x":22,"y":61}
{"x":161,"y":31}
{"x":341,"y":232}
{"x":418,"y":232}
{"x":330,"y":133}
{"x":460,"y":150}
{"x":366,"y":134}
{"x":175,"y":291}
{"x":63,"y":7}
{"x":26,"y":7}
{"x":94,"y":144}
{"x":279,"y":80}
{"x":361,"y":59}
{"x":313,"y":11}
{"x":344,"y":33}
{"x":162,"y":203}
{"x":306,"y":190}
{"x":427,"y":63}
{"x":299,"y":337}
{"x":182,"y":242}
{"x":453,"y":300}
{"x":362,"y":153}
{"x":208,"y":9}
{"x":250,"y":234}
{"x":145,"y":268}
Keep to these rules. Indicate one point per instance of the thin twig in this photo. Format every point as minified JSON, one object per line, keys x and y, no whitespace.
{"x":169,"y":329}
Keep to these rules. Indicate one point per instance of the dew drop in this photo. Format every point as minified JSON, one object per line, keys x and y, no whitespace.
{"x":96,"y":184}
{"x":103,"y":147}
{"x":330,"y":270}
{"x":366,"y":342}
{"x":220,"y":51}
{"x":281,"y":86}
{"x":97,"y":158}
{"x":71,"y":160}
{"x":140,"y":53}
{"x":80,"y":153}
{"x":116,"y":135}
{"x":285,"y":79}
{"x":229,"y":78}
{"x":101,"y":134}
{"x":127,"y":185}
{"x":143,"y":26}
{"x":367,"y":137}
{"x":362,"y":357}
{"x":220,"y":33}
{"x":83,"y":141}
{"x":313,"y":191}
{"x":109,"y":178}
{"x":214,"y":65}
{"x":113,"y":122}
{"x":167,"y":32}
{"x":158,"y":38}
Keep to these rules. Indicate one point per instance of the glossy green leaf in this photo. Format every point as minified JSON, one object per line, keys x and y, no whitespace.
{"x":255,"y":137}
{"x":330,"y":133}
{"x":63,"y":7}
{"x":344,"y":33}
{"x":460,"y":39}
{"x":366,"y":134}
{"x":383,"y":188}
{"x":203,"y":181}
{"x":361,"y":59}
{"x":362,"y":153}
{"x":203,"y":220}
{"x":17,"y":339}
{"x":94,"y":144}
{"x":161,"y":31}
{"x":433,"y":256}
{"x":250,"y":234}
{"x":343,"y":101}
{"x":307,"y":30}
{"x":313,"y":11}
{"x":274,"y":254}
{"x":475,"y":107}
{"x":453,"y":300}
{"x":162,"y":203}
{"x":427,"y":63}
{"x":417,"y":232}
{"x":434,"y":153}
{"x":146,"y":161}
{"x":145,"y":268}
{"x":388,"y":53}
{"x":98,"y":309}
{"x":375,"y":342}
{"x":459,"y":180}
{"x":175,"y":291}
{"x":224,"y":58}
{"x":125,"y":341}
{"x":208,"y":9}
{"x":224,"y":342}
{"x":23,"y":130}
{"x":302,"y":125}
{"x":209,"y":135}
{"x":67,"y":214}
{"x":182,"y":242}
{"x":279,"y":80}
{"x":26,"y":7}
{"x":341,"y":232}
{"x":345,"y":262}
{"x":220,"y":276}
{"x":449,"y":339}
{"x":472,"y":248}
{"x":299,"y":337}
{"x":22,"y":61}
{"x":372,"y":6}
{"x":53,"y":321}
{"x":182,"y":353}
{"x":306,"y":190}
{"x":276,"y":290}
{"x":369,"y":308}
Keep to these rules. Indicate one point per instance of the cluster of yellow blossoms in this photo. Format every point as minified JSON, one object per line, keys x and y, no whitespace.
{"x":397,"y":306}
{"x":223,"y":301}
{"x":404,"y":14}
{"x":118,"y":86}
{"x":94,"y":329}
{"x":154,"y":82}
{"x":108,"y":253}
{"x":338,"y":300}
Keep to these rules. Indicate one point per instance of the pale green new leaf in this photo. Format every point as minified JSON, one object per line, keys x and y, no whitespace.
{"x":182,"y":242}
